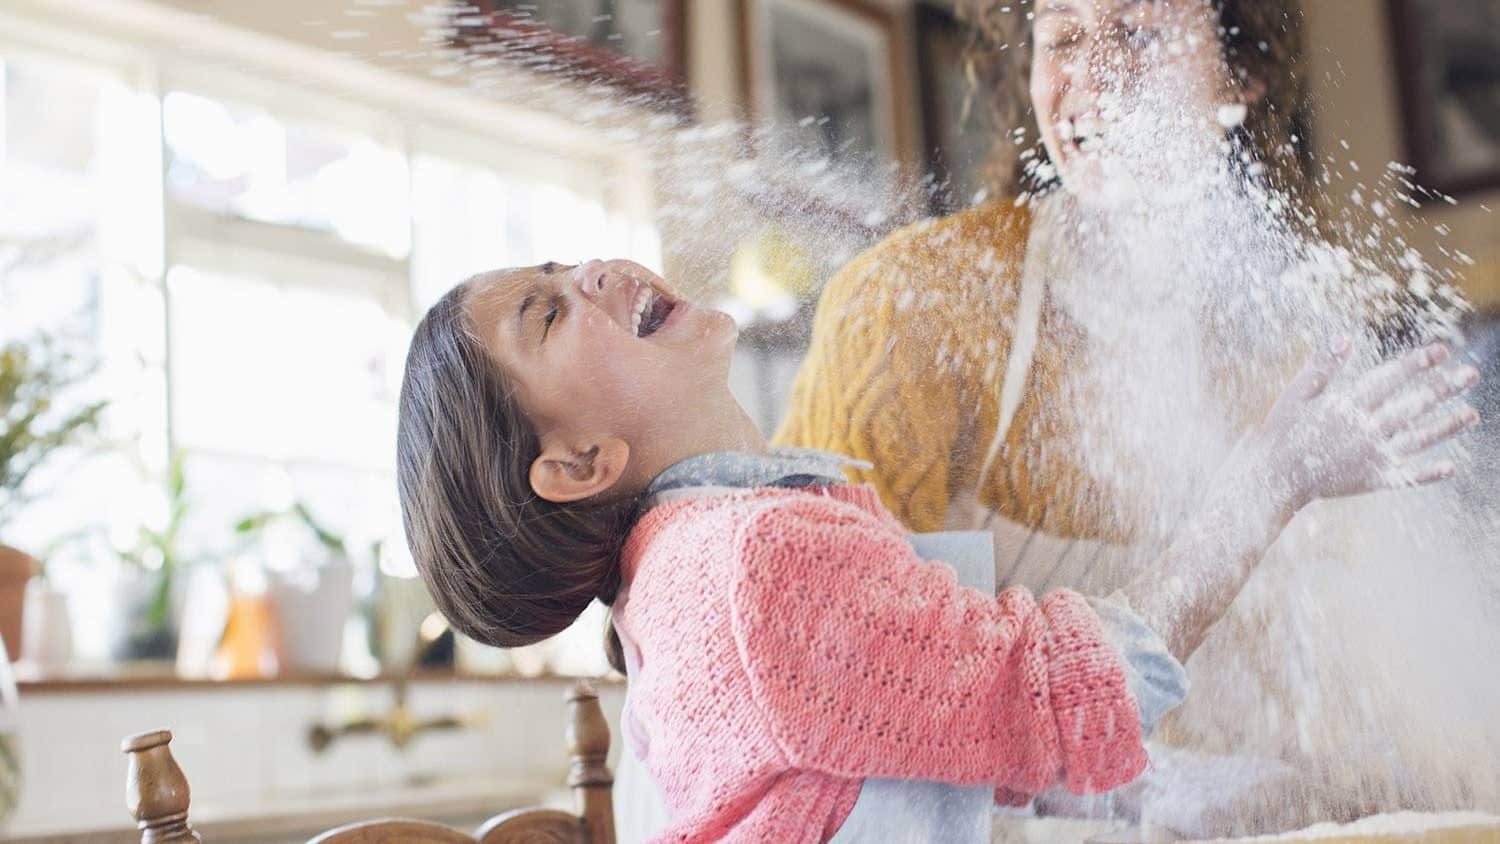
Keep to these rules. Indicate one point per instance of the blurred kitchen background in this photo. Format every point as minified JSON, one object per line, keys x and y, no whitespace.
{"x":219,"y":222}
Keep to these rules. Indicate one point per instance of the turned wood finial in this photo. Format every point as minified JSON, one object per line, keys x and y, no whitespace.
{"x":588,"y":750}
{"x":156,"y":790}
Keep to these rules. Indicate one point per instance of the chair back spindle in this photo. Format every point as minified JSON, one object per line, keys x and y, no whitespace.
{"x":588,"y":776}
{"x":156,"y":790}
{"x":588,"y":751}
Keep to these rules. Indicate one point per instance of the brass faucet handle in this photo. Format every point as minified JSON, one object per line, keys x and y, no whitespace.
{"x":319,"y":737}
{"x":400,"y":725}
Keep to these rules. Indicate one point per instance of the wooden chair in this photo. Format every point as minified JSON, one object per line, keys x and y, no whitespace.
{"x":156,"y":793}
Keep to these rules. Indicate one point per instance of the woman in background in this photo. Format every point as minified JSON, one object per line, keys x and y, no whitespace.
{"x":993,"y":366}
{"x":925,"y":355}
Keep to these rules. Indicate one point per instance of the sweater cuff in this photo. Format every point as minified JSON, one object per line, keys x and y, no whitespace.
{"x":1098,"y":723}
{"x":1155,"y":678}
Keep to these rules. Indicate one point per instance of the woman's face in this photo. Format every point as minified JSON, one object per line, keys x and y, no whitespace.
{"x":1120,"y":81}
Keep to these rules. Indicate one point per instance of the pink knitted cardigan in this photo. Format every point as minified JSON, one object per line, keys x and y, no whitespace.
{"x":791,"y":644}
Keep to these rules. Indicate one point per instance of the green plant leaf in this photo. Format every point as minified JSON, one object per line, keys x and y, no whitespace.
{"x":160,"y":611}
{"x":177,"y":476}
{"x":31,"y":379}
{"x":327,"y":538}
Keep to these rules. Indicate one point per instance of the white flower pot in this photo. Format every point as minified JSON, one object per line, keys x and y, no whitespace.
{"x":132,"y":637}
{"x":312,"y":607}
{"x":47,"y":643}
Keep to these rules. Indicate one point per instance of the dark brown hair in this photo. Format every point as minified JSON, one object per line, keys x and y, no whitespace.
{"x":1261,"y":40}
{"x":505,"y":566}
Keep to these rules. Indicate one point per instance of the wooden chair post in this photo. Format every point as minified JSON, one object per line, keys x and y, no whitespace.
{"x":156,"y":790}
{"x":588,"y":750}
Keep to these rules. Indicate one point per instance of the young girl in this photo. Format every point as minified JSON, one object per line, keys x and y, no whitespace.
{"x":567,"y":433}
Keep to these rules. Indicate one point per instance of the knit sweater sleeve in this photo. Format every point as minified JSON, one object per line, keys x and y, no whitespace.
{"x":867,"y":662}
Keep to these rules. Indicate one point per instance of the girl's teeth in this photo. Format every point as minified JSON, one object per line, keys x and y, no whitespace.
{"x":642,"y":302}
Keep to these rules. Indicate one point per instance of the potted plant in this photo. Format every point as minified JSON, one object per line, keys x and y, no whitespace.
{"x":312,"y":602}
{"x":47,"y":627}
{"x":33,"y":428}
{"x":147,"y":628}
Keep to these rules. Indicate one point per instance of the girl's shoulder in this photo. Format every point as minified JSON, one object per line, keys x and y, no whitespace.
{"x":728,"y":527}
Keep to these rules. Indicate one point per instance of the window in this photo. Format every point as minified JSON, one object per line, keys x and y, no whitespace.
{"x":468,"y":217}
{"x":245,"y":262}
{"x":79,"y":244}
{"x":237,"y":159}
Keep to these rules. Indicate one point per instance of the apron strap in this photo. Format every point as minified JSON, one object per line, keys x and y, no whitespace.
{"x":1018,"y":366}
{"x":964,"y":511}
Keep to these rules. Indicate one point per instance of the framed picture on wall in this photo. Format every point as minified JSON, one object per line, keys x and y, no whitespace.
{"x":958,"y":129}
{"x":830,"y":75}
{"x":1448,"y":56}
{"x":637,"y":46}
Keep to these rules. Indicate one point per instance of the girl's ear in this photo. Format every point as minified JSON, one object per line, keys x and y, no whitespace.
{"x":565,"y":473}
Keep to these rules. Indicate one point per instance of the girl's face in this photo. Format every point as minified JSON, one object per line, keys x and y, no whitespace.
{"x":1112,"y":78}
{"x":603,"y":348}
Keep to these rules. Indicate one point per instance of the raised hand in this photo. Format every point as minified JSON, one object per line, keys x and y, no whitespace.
{"x":1325,"y":440}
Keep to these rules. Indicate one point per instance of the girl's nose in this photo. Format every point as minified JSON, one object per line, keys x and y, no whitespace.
{"x":592,"y":277}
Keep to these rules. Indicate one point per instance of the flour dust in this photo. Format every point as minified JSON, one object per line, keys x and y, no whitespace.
{"x":1192,"y":260}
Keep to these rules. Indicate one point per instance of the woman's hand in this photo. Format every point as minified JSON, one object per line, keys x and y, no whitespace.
{"x":1320,"y":440}
{"x":1325,"y":440}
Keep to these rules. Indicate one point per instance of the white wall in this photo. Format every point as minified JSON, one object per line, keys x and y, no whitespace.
{"x":1354,"y":74}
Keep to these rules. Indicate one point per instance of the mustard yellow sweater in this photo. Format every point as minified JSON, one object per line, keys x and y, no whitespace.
{"x":909,"y":349}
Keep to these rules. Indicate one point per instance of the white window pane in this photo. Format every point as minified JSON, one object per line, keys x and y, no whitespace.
{"x":69,"y":98}
{"x":67,"y":289}
{"x":50,"y":176}
{"x":468,"y":219}
{"x":283,"y":371}
{"x":242,"y":160}
{"x":459,"y":225}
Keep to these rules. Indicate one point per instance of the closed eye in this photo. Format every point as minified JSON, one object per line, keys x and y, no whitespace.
{"x":1062,"y":41}
{"x":551,"y":317}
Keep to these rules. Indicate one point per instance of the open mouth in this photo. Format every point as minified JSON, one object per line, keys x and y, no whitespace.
{"x":651,"y":311}
{"x":1082,"y":136}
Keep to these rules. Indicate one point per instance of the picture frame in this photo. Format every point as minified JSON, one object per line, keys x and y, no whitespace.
{"x":958,"y":131}
{"x":1448,"y":62}
{"x":832,"y":73}
{"x":639,"y":47}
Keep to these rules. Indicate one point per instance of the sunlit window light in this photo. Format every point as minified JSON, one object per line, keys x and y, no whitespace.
{"x":279,"y":355}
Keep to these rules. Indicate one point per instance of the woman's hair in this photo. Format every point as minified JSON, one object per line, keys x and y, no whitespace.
{"x":505,"y":566}
{"x":1261,"y":40}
